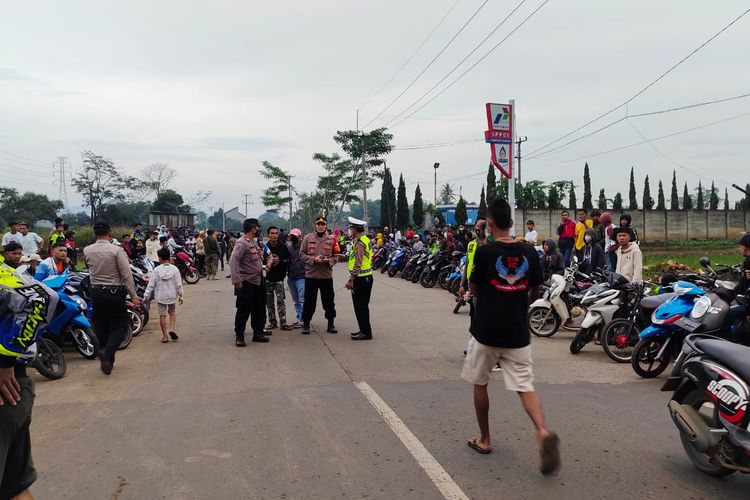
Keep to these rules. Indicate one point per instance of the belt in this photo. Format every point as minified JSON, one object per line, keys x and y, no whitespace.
{"x":107,"y":287}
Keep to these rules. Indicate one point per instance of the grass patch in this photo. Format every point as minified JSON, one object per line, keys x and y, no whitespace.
{"x":658,"y":256}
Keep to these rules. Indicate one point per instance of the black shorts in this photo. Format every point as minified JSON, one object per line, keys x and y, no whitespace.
{"x":16,"y":468}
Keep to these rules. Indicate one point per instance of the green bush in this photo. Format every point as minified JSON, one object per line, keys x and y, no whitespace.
{"x":85,"y":235}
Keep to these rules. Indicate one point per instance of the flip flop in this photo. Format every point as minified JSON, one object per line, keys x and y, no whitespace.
{"x":286,"y":327}
{"x":475,"y":446}
{"x":164,"y":341}
{"x":173,"y":336}
{"x":550,"y":454}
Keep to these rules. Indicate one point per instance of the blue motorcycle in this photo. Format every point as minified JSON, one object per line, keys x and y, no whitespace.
{"x":398,"y":261}
{"x":70,"y":324}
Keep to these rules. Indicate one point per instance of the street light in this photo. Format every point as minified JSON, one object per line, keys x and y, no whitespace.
{"x":435,"y":166}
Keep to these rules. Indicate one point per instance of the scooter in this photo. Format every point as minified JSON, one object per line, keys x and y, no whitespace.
{"x":185,"y":265}
{"x":557,"y":304}
{"x":70,"y":324}
{"x":398,"y":261}
{"x":709,"y":404}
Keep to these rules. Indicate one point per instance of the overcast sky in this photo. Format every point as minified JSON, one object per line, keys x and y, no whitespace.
{"x":214,"y":88}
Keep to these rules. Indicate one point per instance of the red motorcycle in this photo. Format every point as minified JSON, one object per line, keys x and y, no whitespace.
{"x":185,"y":265}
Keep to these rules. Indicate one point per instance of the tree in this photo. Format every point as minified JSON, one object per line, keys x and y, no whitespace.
{"x":28,"y":207}
{"x":699,"y":204}
{"x":387,"y":201}
{"x":157,"y":178}
{"x":170,"y":201}
{"x":572,"y":202}
{"x":402,"y":204}
{"x":482,"y":211}
{"x":447,"y":194}
{"x":587,"y":203}
{"x":123,"y":213}
{"x":460,"y":214}
{"x":216,"y":220}
{"x":648,"y":201}
{"x":726,"y":199}
{"x":101,"y":182}
{"x":278,"y":194}
{"x":713,"y":199}
{"x":335,"y":186}
{"x":674,"y":203}
{"x":661,"y":203}
{"x":417,"y":215}
{"x":617,"y":202}
{"x":744,"y":204}
{"x":553,"y":200}
{"x":491,"y":184}
{"x":78,"y":219}
{"x":531,"y":195}
{"x":687,"y":201}
{"x":602,"y":204}
{"x":633,"y":204}
{"x":368,"y":148}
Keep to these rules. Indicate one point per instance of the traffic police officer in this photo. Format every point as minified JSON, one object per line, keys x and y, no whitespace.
{"x":360,"y":277}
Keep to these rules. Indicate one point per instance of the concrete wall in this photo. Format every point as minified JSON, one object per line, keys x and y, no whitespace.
{"x":654,"y":225}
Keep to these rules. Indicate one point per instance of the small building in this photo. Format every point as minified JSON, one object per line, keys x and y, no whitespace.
{"x":234,"y":214}
{"x":171,"y":219}
{"x":449,"y":211}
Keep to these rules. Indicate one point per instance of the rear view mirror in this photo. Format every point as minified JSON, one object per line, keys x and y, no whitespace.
{"x":22,"y":269}
{"x":705,"y":261}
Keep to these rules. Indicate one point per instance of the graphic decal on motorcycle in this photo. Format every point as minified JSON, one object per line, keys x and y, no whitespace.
{"x":731,"y":396}
{"x":511,"y":272}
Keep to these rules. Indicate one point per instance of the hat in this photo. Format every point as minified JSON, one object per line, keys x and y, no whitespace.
{"x":296,"y":232}
{"x":745,"y":240}
{"x":322,"y":219}
{"x":356,"y":222}
{"x":29,"y":258}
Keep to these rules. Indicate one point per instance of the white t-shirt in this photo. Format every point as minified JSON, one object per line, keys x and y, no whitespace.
{"x":531,"y":237}
{"x":30,"y":243}
{"x":8,"y":237}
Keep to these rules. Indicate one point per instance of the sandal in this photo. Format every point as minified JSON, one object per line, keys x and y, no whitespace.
{"x":550,"y":452}
{"x":174,"y":336}
{"x":474,"y":445}
{"x":286,"y":327}
{"x":164,"y":341}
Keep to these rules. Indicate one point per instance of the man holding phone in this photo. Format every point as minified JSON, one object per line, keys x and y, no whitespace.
{"x":317,"y":252}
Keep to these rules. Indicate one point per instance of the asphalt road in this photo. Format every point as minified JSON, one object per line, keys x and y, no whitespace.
{"x":200,"y":418}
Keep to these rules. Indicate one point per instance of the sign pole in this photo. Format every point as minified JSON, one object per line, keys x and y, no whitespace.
{"x":512,"y":180}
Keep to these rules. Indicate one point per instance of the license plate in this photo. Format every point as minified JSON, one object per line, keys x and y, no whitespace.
{"x":687,"y":324}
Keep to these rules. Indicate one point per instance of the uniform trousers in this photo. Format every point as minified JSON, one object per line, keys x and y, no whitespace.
{"x":110,"y":317}
{"x":361,"y":300}
{"x":311,"y":298}
{"x":251,"y":304}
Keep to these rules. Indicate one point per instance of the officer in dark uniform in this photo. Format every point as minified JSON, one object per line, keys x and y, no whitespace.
{"x":360,"y":277}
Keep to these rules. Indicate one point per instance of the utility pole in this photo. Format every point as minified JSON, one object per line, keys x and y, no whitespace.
{"x":520,"y":141}
{"x":512,"y":180}
{"x":289,"y":184}
{"x":360,"y":135}
{"x":435,"y":166}
{"x":223,"y":218}
{"x":246,"y":203}
{"x":60,"y":176}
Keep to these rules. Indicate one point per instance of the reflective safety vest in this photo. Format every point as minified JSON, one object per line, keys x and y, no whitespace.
{"x":471,"y":249}
{"x":366,"y":269}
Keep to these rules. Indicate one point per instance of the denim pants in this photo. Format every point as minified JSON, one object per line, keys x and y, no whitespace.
{"x":297,"y":291}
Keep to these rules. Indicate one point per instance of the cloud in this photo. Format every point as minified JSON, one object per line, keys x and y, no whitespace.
{"x":12,"y":74}
{"x":248,"y":143}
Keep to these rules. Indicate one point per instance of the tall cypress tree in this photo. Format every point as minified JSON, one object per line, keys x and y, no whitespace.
{"x":617,"y":202}
{"x":482,"y":211}
{"x":633,"y":202}
{"x":402,"y":205}
{"x":726,"y":199}
{"x":648,"y":201}
{"x":713,"y":201}
{"x":387,"y":201}
{"x":572,"y":202}
{"x":460,"y":214}
{"x":553,"y":201}
{"x":602,"y":205}
{"x":661,"y":202}
{"x":687,"y":200}
{"x":699,"y":204}
{"x":417,"y":215}
{"x":674,"y":203}
{"x":491,"y":184}
{"x":587,"y":202}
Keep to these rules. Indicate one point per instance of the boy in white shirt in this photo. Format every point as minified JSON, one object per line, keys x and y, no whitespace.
{"x":166,"y":285}
{"x":531,"y":235}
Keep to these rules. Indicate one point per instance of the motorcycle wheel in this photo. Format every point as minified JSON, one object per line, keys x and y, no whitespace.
{"x":619,"y":340}
{"x":442,"y":278}
{"x":146,"y":316}
{"x":49,"y":360}
{"x":415,"y":276}
{"x":455,"y":285}
{"x":392,"y":271}
{"x":384,"y":269}
{"x":127,"y":340}
{"x":544,"y":322}
{"x":192,"y":277}
{"x":583,"y":337}
{"x":644,"y":361}
{"x":698,"y":398}
{"x":136,"y":323}
{"x":459,"y":304}
{"x":427,"y":279}
{"x":84,"y":340}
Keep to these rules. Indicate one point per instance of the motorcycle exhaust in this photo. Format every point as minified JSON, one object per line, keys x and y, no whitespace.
{"x":691,"y":424}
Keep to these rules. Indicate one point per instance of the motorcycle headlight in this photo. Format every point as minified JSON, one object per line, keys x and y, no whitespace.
{"x":81,"y":303}
{"x":700,"y":307}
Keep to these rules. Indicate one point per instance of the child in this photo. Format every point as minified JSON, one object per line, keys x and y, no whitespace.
{"x":166,"y":285}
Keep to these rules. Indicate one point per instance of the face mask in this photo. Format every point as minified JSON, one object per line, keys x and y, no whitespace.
{"x":587,"y":239}
{"x":350,"y":232}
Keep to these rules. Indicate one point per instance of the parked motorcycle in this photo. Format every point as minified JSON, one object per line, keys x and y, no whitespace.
{"x":69,"y":324}
{"x":398,"y":261}
{"x":433,"y":267}
{"x":49,"y":360}
{"x":709,"y":403}
{"x":185,"y":265}
{"x":560,"y":302}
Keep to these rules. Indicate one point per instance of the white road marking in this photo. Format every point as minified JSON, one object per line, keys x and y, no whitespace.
{"x":440,"y":478}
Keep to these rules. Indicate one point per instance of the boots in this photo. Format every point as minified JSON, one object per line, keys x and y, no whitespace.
{"x":331,"y":328}
{"x":239,"y":340}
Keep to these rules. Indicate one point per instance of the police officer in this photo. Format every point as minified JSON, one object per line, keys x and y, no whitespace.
{"x":360,"y":277}
{"x":111,"y":282}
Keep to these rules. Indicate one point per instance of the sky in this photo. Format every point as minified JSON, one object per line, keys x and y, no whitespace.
{"x":215,"y":88}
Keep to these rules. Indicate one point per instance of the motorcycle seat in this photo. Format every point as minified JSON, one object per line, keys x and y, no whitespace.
{"x":651,"y":304}
{"x":735,"y":356}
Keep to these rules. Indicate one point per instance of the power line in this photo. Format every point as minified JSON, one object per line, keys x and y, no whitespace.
{"x":460,"y":62}
{"x":26,"y":159}
{"x":644,"y":89}
{"x":413,"y":54}
{"x":436,"y":145}
{"x":24,"y":169}
{"x":430,"y":63}
{"x":473,"y":65}
{"x":422,"y":119}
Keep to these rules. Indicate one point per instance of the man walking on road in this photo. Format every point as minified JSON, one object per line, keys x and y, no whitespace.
{"x":360,"y":277}
{"x":111,"y":281}
{"x":211,"y":246}
{"x":246,"y":266}
{"x":506,"y":275}
{"x":275,"y":281}
{"x":317,"y":252}
{"x":296,"y":274}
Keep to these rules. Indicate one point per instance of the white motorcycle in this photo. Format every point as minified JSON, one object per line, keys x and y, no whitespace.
{"x":557,"y":305}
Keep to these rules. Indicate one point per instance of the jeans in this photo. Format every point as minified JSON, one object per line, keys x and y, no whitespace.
{"x":297,"y":291}
{"x":566,"y":252}
{"x":611,"y":261}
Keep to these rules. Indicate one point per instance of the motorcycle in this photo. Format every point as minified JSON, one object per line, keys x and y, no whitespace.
{"x":49,"y":360}
{"x":185,"y":265}
{"x":398,"y":261}
{"x":420,"y":267}
{"x":449,"y":270}
{"x":560,"y":302}
{"x":69,"y":323}
{"x":710,"y":385}
{"x":434,"y":265}
{"x":411,"y":265}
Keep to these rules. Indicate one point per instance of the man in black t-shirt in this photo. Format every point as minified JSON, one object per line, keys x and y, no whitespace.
{"x":275,"y":296}
{"x":505,"y":276}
